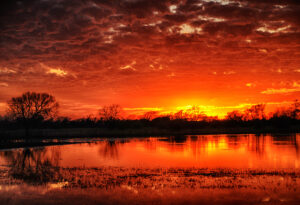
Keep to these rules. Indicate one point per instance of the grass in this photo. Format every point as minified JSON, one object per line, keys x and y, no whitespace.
{"x":115,"y":185}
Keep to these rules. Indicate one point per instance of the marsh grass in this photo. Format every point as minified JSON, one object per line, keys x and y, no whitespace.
{"x":115,"y":185}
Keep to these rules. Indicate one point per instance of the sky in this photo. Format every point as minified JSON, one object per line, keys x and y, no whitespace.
{"x":151,"y":55}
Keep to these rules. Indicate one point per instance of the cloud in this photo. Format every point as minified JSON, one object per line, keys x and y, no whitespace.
{"x":97,"y":41}
{"x":294,"y":87}
{"x":296,"y":84}
{"x":3,"y":84}
{"x":57,"y":72}
{"x":143,"y":109}
{"x":171,"y":75}
{"x":6,"y":71}
{"x":187,"y":29}
{"x":229,"y":72}
{"x":80,"y":32}
{"x":270,"y":91}
{"x":129,"y":66}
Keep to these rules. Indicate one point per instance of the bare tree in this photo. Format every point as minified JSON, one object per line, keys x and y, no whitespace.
{"x":179,"y":115}
{"x":255,"y":112}
{"x":295,"y":110}
{"x":150,"y":115}
{"x":110,"y":112}
{"x":32,"y":105}
{"x":194,"y":114}
{"x":234,"y":115}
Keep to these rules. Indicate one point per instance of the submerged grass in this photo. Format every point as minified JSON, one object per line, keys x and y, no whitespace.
{"x":115,"y":185}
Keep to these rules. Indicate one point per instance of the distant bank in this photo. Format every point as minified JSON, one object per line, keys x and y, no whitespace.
{"x":138,"y":132}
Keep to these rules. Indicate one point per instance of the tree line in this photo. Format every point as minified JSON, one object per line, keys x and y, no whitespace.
{"x":40,"y":110}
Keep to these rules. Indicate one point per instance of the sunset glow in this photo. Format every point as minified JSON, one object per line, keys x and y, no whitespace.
{"x":149,"y":102}
{"x":162,"y":56}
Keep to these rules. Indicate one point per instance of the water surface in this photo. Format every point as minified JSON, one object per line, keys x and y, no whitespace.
{"x":207,"y":151}
{"x":265,"y":167}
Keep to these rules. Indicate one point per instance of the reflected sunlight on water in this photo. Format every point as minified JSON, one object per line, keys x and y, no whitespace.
{"x":155,"y":168}
{"x":207,"y":151}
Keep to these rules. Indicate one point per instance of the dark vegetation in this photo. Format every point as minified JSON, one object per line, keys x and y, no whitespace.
{"x":35,"y":114}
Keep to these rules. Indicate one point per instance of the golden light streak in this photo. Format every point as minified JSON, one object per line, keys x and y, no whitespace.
{"x":280,"y":90}
{"x":57,"y":72}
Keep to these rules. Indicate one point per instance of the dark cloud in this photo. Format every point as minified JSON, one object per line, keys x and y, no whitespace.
{"x":233,"y":11}
{"x":92,"y":40}
{"x":225,"y":28}
{"x":176,"y":18}
{"x":96,"y":12}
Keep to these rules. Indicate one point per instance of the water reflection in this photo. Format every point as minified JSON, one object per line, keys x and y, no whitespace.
{"x":208,"y":151}
{"x":259,"y":164}
{"x":37,"y":165}
{"x":178,"y":140}
{"x":110,"y":148}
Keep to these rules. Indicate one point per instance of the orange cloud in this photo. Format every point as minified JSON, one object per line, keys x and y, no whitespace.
{"x":280,"y":90}
{"x":57,"y":72}
{"x":151,"y":54}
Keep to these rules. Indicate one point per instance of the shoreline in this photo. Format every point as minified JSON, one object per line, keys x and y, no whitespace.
{"x":65,"y":133}
{"x":13,"y":139}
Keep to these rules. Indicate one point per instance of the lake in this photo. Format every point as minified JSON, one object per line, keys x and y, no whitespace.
{"x":207,"y":169}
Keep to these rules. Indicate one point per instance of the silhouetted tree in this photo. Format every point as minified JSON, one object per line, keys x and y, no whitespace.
{"x":279,"y":112}
{"x":32,"y":105}
{"x":179,"y":115}
{"x":32,"y":108}
{"x":284,"y":119}
{"x":110,"y":112}
{"x":256,"y":112}
{"x":194,"y":114}
{"x":295,"y":113}
{"x":162,"y":122}
{"x":234,"y":116}
{"x":150,"y":115}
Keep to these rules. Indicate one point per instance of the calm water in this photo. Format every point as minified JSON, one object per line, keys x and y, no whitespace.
{"x":211,"y":169}
{"x":209,"y":151}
